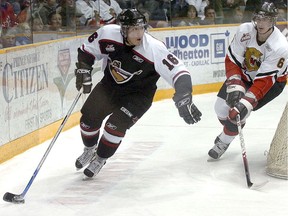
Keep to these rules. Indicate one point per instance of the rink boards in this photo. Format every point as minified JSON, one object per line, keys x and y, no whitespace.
{"x":38,"y":84}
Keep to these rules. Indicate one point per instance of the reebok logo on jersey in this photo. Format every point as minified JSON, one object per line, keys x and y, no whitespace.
{"x":245,"y":37}
{"x":110,"y":48}
{"x":137,"y":58}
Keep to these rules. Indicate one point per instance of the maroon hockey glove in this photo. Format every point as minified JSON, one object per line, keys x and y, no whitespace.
{"x":243,"y":107}
{"x":239,"y":108}
{"x":83,"y":77}
{"x":235,"y":90}
{"x":186,"y":108}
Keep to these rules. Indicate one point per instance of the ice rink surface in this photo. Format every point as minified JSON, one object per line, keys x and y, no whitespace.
{"x":160,"y":169}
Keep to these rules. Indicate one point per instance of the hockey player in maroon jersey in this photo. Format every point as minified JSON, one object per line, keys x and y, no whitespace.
{"x":135,"y":61}
{"x":256,"y":71}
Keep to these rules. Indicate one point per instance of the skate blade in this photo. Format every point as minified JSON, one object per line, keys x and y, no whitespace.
{"x":210,"y":159}
{"x":86,"y":178}
{"x":257,"y":186}
{"x":84,"y":167}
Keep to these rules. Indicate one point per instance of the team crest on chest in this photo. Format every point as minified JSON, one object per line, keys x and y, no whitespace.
{"x":252,"y":59}
{"x":120,"y":75}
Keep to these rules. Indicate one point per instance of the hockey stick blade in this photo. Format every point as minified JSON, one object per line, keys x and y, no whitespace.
{"x":257,"y":186}
{"x":13,"y":198}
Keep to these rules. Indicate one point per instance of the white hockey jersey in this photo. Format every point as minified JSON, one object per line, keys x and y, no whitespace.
{"x":108,"y":13}
{"x":133,"y":68}
{"x":261,"y":64}
{"x":87,"y":9}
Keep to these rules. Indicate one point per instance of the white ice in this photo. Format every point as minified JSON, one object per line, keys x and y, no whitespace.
{"x":160,"y":169}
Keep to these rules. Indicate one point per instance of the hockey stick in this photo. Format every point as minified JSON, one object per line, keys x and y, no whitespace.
{"x":250,"y":184}
{"x":13,"y":198}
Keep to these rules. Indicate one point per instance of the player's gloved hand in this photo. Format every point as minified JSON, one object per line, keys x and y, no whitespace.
{"x":235,"y":90}
{"x":83,"y":77}
{"x":243,"y":107}
{"x":187,"y":109}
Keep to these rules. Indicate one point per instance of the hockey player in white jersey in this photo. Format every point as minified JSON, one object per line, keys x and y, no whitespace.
{"x":256,"y":71}
{"x":108,"y":11}
{"x":135,"y":61}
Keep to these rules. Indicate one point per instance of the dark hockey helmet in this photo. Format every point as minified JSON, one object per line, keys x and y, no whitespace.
{"x":130,"y":17}
{"x":265,"y":10}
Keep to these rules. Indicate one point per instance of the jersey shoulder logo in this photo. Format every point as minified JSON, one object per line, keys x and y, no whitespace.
{"x":120,"y":75}
{"x":245,"y":37}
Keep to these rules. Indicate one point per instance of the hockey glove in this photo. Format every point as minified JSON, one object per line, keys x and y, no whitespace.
{"x":186,"y":108}
{"x":243,"y":107}
{"x":83,"y":77}
{"x":235,"y":90}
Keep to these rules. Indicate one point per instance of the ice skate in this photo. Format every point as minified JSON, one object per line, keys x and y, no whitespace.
{"x":218,"y":149}
{"x":85,"y":158}
{"x":94,"y":167}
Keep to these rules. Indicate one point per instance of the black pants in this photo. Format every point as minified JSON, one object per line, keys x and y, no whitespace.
{"x":122,"y":110}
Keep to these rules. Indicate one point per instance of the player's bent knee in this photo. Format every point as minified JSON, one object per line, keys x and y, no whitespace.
{"x":221,"y":108}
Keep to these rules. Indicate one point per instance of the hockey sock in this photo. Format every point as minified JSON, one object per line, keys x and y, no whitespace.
{"x":89,"y":136}
{"x":106,"y":149}
{"x":226,"y":138}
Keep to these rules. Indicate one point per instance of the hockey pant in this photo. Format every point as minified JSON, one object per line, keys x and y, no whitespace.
{"x":119,"y":112}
